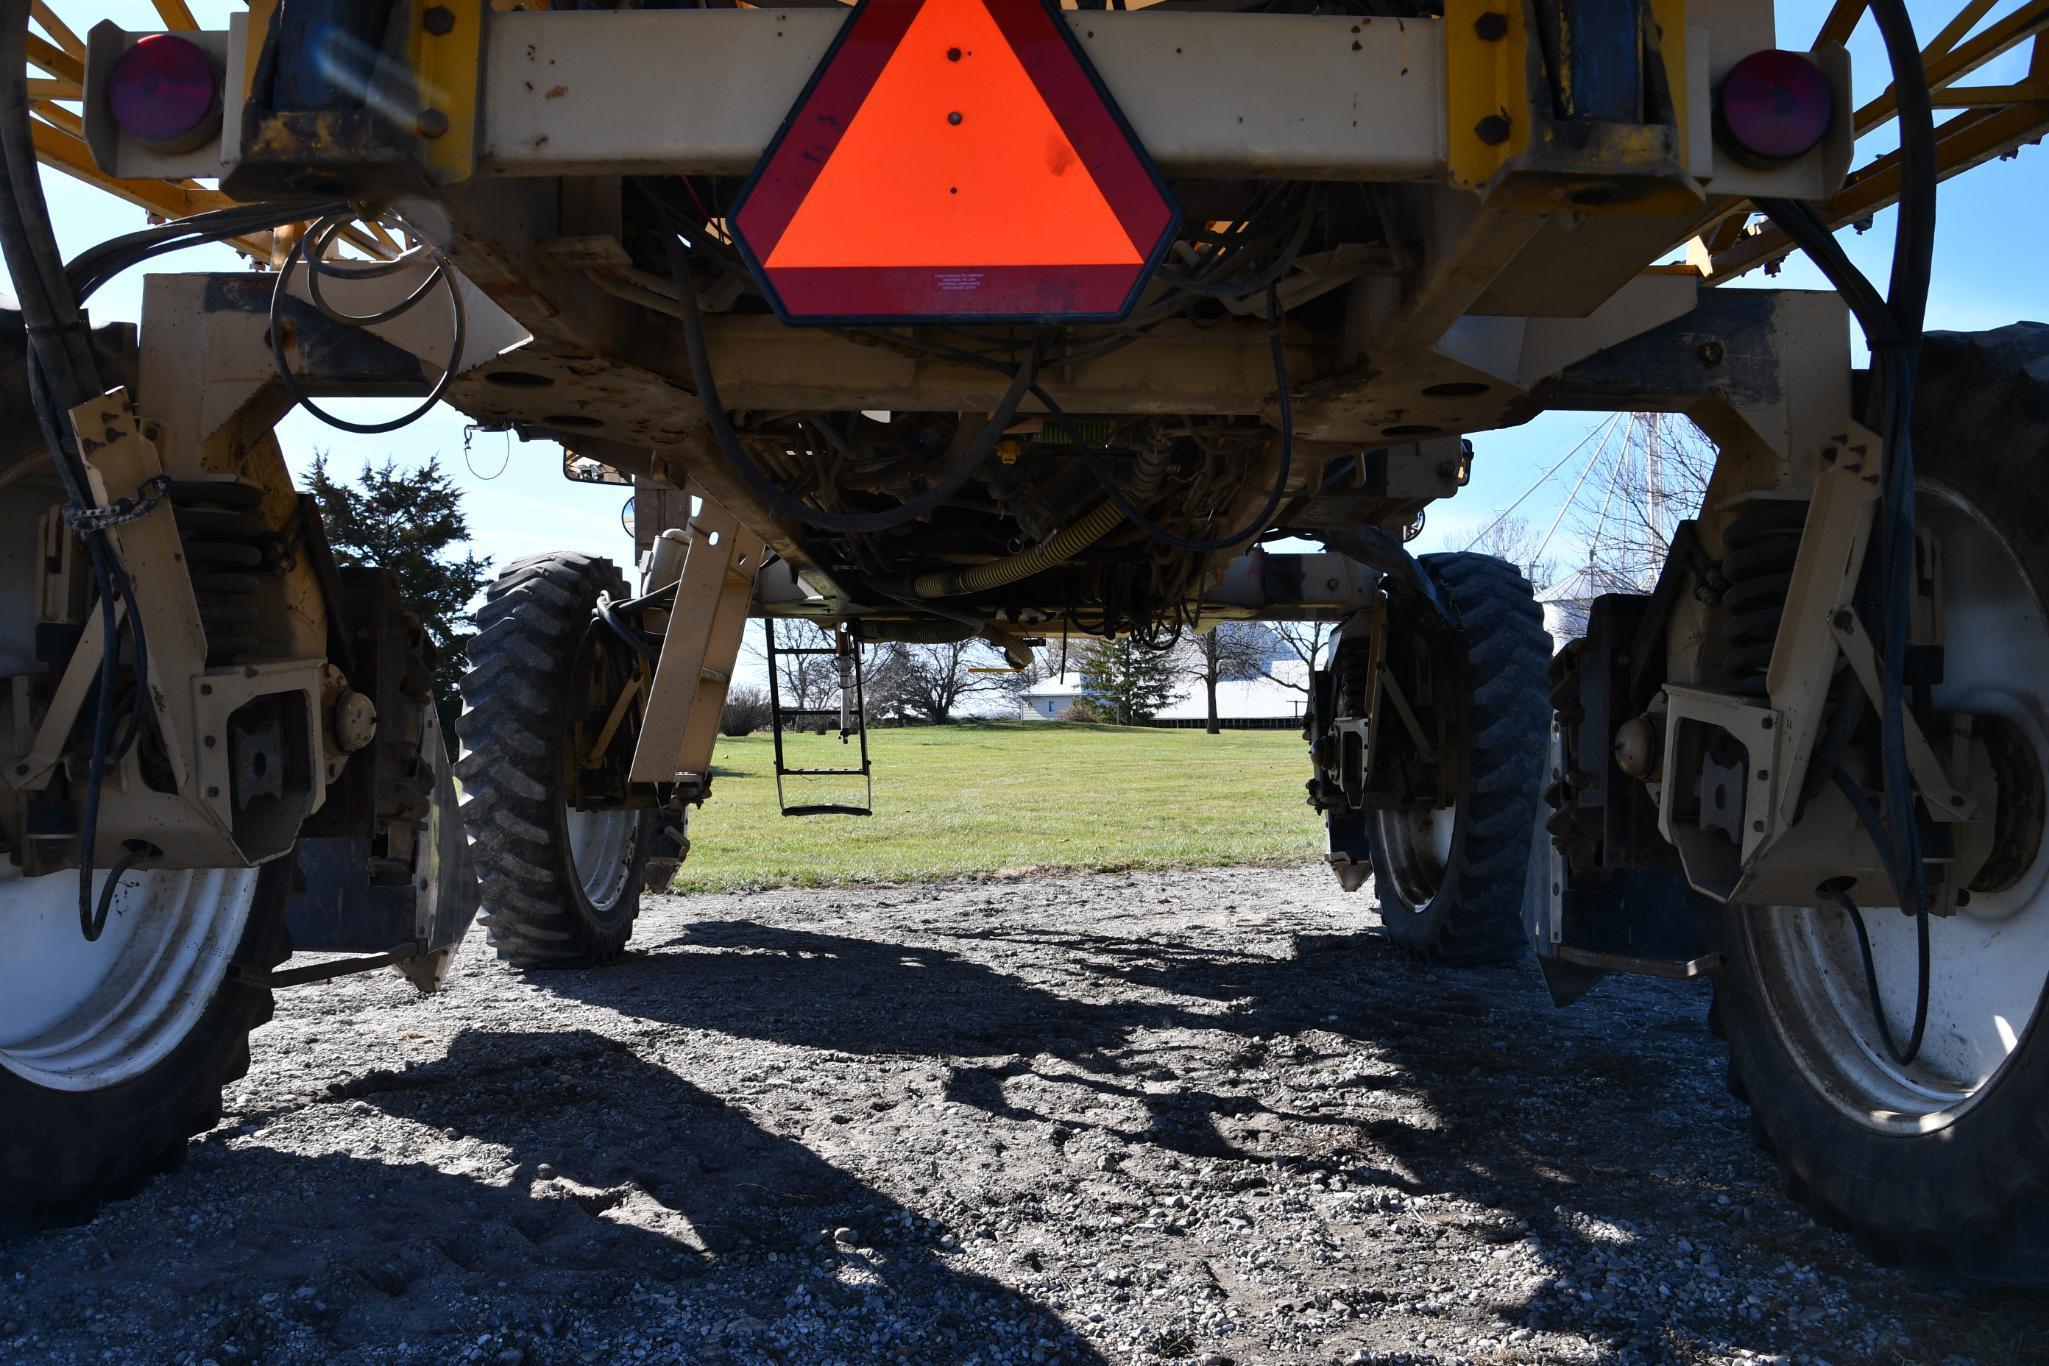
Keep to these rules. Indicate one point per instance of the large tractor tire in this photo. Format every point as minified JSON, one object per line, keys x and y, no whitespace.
{"x":1450,"y":881}
{"x":561,"y":886}
{"x":114,"y":1052}
{"x":1943,"y":1163}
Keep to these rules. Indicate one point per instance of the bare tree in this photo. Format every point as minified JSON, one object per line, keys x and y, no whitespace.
{"x":884,"y":675}
{"x":1641,"y":475}
{"x":1296,"y":641}
{"x":1645,"y":484}
{"x":1227,"y":652}
{"x":1514,"y":540}
{"x":805,"y":682}
{"x":932,"y":681}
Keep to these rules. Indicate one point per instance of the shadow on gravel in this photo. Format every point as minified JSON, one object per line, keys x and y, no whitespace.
{"x":1493,"y":1093}
{"x":620,"y":1173}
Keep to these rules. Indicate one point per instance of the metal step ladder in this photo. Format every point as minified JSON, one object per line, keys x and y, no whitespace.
{"x":853,"y":719}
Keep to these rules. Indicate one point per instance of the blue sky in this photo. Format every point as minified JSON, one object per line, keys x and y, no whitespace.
{"x":1989,"y":269}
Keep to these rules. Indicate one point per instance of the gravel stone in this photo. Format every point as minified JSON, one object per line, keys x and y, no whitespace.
{"x":1185,"y":1117}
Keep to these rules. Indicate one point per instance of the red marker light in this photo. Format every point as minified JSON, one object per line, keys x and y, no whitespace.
{"x":165,"y":94}
{"x":1772,"y":107}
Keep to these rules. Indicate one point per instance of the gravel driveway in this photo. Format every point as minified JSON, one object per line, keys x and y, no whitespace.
{"x":1204,"y":1117}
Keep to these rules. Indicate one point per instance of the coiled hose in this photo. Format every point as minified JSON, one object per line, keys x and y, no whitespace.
{"x":1058,"y":548}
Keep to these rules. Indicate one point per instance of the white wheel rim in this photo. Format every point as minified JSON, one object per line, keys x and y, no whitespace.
{"x":1988,"y":963}
{"x":1416,"y":846}
{"x":600,"y":852}
{"x":79,"y":1016}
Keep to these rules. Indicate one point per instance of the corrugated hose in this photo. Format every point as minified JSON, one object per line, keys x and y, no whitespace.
{"x":1061,"y":546}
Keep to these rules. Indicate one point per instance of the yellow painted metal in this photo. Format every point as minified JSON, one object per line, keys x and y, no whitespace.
{"x":1986,"y":96}
{"x":1992,"y":121}
{"x":1669,"y":17}
{"x":46,"y":56}
{"x":1841,"y":22}
{"x":261,"y":12}
{"x":57,"y":116}
{"x":1496,"y":87}
{"x":1953,"y":32}
{"x":175,"y":14}
{"x":62,"y":151}
{"x":449,"y":69}
{"x":1485,"y":80}
{"x":57,"y":29}
{"x":2002,"y":37}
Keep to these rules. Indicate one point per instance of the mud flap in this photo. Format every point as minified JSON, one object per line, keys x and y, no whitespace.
{"x":338,"y":906}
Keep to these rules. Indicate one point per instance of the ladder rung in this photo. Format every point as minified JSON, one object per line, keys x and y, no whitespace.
{"x":715,"y":676}
{"x":825,"y":773}
{"x":827,"y":810}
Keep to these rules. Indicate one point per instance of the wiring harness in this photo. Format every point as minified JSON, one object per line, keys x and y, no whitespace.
{"x":1891,"y":324}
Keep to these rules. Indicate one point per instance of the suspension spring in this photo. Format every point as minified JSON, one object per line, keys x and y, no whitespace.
{"x":1762,"y":543}
{"x":237,"y":562}
{"x":1355,"y":668}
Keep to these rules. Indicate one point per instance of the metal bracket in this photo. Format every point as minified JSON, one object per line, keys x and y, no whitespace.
{"x":1944,"y":801}
{"x":1392,"y":690}
{"x":700,"y":646}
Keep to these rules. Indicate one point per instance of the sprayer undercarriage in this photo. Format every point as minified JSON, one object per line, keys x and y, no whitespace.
{"x":1825,"y":708}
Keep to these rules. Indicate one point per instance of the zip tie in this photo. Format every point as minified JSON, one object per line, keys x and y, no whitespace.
{"x":124,"y":510}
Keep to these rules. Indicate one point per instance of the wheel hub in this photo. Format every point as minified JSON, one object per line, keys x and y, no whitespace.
{"x":81,"y":1016}
{"x":1988,"y":963}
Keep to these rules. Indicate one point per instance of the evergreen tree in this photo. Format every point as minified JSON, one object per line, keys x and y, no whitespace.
{"x":1129,"y":682}
{"x":408,"y":522}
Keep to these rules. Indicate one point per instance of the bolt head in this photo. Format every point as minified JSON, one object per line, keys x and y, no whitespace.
{"x":439,"y":20}
{"x":432,"y":123}
{"x":1492,"y":130}
{"x":1491,"y":27}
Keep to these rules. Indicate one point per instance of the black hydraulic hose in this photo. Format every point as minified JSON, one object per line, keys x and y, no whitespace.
{"x":1892,"y":328}
{"x":302,"y":253}
{"x":772,"y":494}
{"x":1102,"y":474}
{"x":1260,"y":520}
{"x":1840,"y":896}
{"x":100,"y":263}
{"x":61,"y":366}
{"x":1238,"y":289}
{"x":1914,"y":235}
{"x":62,"y":374}
{"x":1907,"y":300}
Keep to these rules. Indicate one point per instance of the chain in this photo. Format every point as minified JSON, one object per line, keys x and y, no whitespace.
{"x":124,"y":510}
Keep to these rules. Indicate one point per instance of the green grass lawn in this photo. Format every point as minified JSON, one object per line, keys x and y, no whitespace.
{"x":996,"y":796}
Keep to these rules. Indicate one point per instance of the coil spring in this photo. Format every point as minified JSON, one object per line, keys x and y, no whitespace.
{"x":1355,"y":678}
{"x":235,"y":560}
{"x":1757,"y":568}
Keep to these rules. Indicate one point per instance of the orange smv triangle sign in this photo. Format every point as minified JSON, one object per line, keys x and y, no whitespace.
{"x":953,"y":159}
